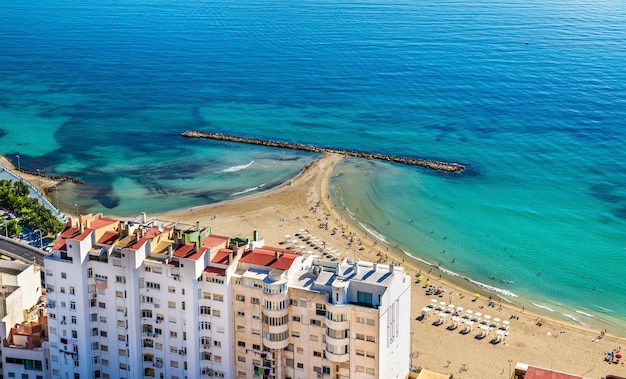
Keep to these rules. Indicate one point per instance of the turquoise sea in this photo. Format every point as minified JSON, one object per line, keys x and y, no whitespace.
{"x":530,"y":95}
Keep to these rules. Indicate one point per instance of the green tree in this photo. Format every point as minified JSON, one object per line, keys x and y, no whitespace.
{"x":12,"y":228}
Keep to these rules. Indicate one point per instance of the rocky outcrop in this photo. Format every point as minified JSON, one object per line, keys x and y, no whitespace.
{"x":431,"y":164}
{"x":53,"y":177}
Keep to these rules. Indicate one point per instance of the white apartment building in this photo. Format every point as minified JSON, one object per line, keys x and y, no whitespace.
{"x":139,"y":299}
{"x":23,"y":327}
{"x":151,"y":299}
{"x":301,"y":317}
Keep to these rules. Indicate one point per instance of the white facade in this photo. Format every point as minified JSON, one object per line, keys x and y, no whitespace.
{"x":23,"y":330}
{"x":138,"y":299}
{"x":147,"y":299}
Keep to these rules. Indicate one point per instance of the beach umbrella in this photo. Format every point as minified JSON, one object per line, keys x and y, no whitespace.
{"x":451,"y":306}
{"x":478,"y":314}
{"x":495,"y":319}
{"x":459,"y":309}
{"x":618,"y":355}
{"x":469,"y":311}
{"x":434,"y":301}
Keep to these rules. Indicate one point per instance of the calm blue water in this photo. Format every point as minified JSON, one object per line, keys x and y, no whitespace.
{"x":530,"y":95}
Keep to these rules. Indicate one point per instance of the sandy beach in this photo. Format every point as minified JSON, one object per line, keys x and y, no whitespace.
{"x":304,"y":204}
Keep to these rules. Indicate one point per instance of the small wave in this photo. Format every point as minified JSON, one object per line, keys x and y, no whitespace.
{"x":492,"y":288}
{"x":247,"y":190}
{"x":238,"y":168}
{"x":374,"y":234}
{"x":417,"y":258}
{"x":574,"y":319}
{"x":584,"y":313}
{"x":542,"y":307}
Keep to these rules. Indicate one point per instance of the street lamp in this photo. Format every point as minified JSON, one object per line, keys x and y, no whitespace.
{"x":40,"y":238}
{"x":56,"y":194}
{"x":39,"y":180}
{"x":510,"y":360}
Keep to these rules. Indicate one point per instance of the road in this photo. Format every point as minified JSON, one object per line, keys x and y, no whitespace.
{"x":14,"y":249}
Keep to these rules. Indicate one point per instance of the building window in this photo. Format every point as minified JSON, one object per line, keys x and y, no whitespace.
{"x":364,"y":298}
{"x":72,"y":291}
{"x":63,"y":275}
{"x":255,"y":300}
{"x":240,"y":298}
{"x":120,"y":279}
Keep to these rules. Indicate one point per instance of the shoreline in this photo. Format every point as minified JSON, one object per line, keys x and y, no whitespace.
{"x":304,"y":202}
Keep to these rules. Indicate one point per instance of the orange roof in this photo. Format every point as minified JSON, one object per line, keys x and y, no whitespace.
{"x":542,"y":373}
{"x":266,"y":256}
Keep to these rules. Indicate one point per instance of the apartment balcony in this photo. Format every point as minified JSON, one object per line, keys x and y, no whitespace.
{"x":276,"y":344}
{"x":276,"y":328}
{"x":337,"y":357}
{"x":275,"y":312}
{"x":338,"y":325}
{"x":337,"y":337}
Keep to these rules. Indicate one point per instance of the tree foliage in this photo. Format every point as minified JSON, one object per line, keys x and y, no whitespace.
{"x":14,"y":196}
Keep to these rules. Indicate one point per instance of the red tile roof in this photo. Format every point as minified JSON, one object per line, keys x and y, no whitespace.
{"x":221,"y":257}
{"x":542,"y":373}
{"x":214,"y":240}
{"x":266,"y":256}
{"x":108,"y":238}
{"x":215,"y":271}
{"x":102,"y":222}
{"x":184,"y":250}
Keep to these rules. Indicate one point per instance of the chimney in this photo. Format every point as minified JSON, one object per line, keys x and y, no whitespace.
{"x":88,"y":223}
{"x":144,"y":218}
{"x":231,"y":254}
{"x":276,"y":254}
{"x":81,"y":227}
{"x":198,"y":226}
{"x":355,"y":268}
{"x":392,"y":266}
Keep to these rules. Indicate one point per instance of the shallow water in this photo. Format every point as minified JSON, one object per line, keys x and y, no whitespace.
{"x":530,"y":95}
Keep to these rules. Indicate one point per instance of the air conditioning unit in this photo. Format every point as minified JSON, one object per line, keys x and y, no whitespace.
{"x":181,"y":352}
{"x":94,"y":295}
{"x":156,"y":305}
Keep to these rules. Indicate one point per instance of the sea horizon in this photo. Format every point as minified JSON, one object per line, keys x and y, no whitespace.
{"x":530,"y":96}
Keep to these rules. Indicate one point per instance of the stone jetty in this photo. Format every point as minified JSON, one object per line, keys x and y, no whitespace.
{"x":52,"y":177}
{"x":431,"y":164}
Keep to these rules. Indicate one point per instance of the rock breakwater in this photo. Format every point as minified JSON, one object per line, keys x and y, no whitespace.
{"x":431,"y":164}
